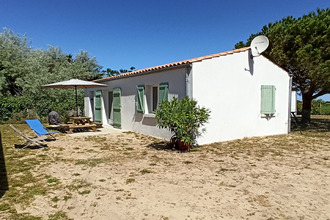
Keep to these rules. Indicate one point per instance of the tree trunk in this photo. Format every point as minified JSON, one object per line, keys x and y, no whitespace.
{"x":306,"y":108}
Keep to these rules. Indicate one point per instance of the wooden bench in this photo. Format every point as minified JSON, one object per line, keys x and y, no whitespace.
{"x":71,"y":127}
{"x":98,"y":124}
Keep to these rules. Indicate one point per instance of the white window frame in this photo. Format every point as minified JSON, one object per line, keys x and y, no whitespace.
{"x":149,"y":98}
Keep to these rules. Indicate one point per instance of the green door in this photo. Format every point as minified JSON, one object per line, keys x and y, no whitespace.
{"x":116,"y":108}
{"x":98,"y":106}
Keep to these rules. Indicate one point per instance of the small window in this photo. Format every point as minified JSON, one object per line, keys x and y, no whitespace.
{"x":155,"y":94}
{"x":267,"y":99}
{"x":154,"y":98}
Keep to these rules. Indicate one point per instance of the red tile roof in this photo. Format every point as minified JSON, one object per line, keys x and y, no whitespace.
{"x":170,"y":65}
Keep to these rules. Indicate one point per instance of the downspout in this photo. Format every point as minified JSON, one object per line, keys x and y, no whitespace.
{"x":289,"y":103}
{"x":188,"y":77}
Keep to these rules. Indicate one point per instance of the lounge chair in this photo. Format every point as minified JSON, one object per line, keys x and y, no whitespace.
{"x":39,"y":129}
{"x":30,"y":141}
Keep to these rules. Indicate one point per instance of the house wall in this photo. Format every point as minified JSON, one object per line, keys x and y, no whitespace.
{"x":130,"y":119}
{"x":230,"y":86}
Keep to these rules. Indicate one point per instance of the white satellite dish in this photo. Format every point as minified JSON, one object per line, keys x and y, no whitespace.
{"x":258,"y":45}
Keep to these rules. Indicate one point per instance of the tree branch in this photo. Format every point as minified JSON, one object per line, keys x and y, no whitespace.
{"x":322,"y":92}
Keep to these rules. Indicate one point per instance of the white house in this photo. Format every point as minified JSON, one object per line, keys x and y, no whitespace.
{"x":248,"y":96}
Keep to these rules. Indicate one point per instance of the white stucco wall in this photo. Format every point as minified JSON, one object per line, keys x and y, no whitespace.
{"x":294,"y":102}
{"x":230,"y":86}
{"x":130,"y":119}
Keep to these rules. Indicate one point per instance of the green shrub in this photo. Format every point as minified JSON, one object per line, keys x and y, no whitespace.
{"x":183,"y":118}
{"x":319,"y":107}
{"x":10,"y":105}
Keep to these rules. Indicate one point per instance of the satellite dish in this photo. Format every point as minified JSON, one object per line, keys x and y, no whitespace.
{"x":258,"y":45}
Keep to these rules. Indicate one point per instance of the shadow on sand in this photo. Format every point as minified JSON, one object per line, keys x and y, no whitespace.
{"x":316,"y":124}
{"x":163,"y":145}
{"x":3,"y":172}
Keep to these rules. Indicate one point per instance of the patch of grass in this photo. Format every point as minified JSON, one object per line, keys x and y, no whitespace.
{"x":78,"y":184}
{"x":102,"y":180}
{"x":84,"y":192}
{"x":187,"y":162}
{"x":55,"y":199}
{"x":118,"y":190}
{"x":4,"y":206}
{"x":145,"y":171}
{"x":194,"y":149}
{"x":53,"y":181}
{"x":67,"y":197}
{"x":60,"y":215}
{"x":93,"y":162}
{"x":37,"y":190}
{"x":27,"y":217}
{"x":130,"y":180}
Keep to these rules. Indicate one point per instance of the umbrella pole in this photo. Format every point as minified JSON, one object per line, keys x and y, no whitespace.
{"x":76,"y":102}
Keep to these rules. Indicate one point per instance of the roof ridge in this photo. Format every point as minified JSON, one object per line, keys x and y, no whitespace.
{"x":173,"y":64}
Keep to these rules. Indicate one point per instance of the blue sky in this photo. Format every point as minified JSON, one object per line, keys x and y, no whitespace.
{"x":145,"y":33}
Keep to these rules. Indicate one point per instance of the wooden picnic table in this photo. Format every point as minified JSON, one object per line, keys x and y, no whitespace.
{"x":79,"y":122}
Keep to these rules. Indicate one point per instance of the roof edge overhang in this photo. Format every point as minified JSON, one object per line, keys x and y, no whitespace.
{"x":170,"y":66}
{"x":139,"y":73}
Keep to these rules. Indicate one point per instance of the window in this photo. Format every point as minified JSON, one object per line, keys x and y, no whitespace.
{"x":110,"y":99}
{"x":154,"y":98}
{"x":149,"y":97}
{"x":267,"y":99}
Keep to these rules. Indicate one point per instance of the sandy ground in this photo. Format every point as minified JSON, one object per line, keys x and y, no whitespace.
{"x":131,"y":176}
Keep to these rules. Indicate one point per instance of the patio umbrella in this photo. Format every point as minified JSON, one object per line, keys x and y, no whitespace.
{"x":74,"y":84}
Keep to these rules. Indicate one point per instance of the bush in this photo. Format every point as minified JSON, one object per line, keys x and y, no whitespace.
{"x":183,"y":118}
{"x":319,"y":107}
{"x":10,"y":106}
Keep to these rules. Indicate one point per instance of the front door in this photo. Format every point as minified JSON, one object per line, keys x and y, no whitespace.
{"x":116,"y":108}
{"x":98,"y":106}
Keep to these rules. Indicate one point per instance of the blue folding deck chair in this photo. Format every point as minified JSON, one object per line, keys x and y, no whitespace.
{"x":39,"y":129}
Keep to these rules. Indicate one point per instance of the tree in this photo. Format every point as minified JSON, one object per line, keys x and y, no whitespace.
{"x":23,"y":70}
{"x":13,"y":53}
{"x":109,"y":72}
{"x":302,"y":47}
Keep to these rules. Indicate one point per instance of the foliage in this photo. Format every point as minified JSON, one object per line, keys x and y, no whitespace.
{"x":109,"y":72}
{"x":183,"y":118}
{"x":302,"y":47}
{"x":319,"y":107}
{"x":10,"y":105}
{"x":23,"y":70}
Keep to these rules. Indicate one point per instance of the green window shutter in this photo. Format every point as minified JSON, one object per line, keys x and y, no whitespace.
{"x":116,"y":103}
{"x":140,"y":99}
{"x":267,"y":99}
{"x":163,"y":93}
{"x":98,"y":106}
